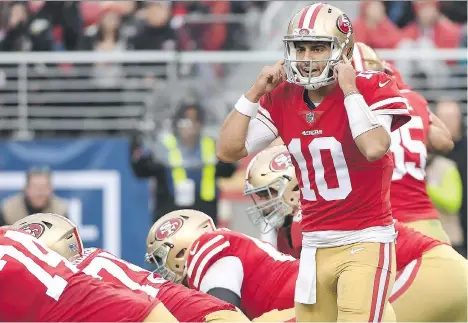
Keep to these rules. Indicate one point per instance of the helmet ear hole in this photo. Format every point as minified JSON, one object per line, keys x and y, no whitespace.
{"x":181,"y":253}
{"x":48,"y":224}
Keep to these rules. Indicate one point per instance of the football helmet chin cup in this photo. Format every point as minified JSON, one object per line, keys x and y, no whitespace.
{"x":169,"y":241}
{"x":271,"y":183}
{"x":317,"y":23}
{"x":55,"y":231}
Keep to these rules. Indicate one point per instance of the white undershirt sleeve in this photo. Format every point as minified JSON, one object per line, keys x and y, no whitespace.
{"x":226,"y":273}
{"x":385,"y":121}
{"x":259,"y":135}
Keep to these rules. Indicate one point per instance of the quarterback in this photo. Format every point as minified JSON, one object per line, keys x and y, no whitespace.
{"x":39,"y":285}
{"x":410,"y":201}
{"x":336,"y":124}
{"x":248,"y":273}
{"x":270,"y":181}
{"x":59,"y":233}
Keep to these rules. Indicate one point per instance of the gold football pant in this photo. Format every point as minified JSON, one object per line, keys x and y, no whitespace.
{"x":353,"y":284}
{"x":226,"y":316}
{"x":287,"y":315}
{"x":160,"y":314}
{"x":432,"y":288}
{"x":432,"y":228}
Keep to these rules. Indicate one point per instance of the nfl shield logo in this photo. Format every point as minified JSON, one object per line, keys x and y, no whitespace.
{"x":310,"y":117}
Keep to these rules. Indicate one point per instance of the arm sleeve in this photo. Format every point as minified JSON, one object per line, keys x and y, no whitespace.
{"x":385,"y":121}
{"x":383,"y":97}
{"x":226,"y":273}
{"x":259,"y":136}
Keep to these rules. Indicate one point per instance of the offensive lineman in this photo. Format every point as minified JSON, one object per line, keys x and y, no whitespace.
{"x":60,"y":234}
{"x":39,"y":285}
{"x":271,"y":182}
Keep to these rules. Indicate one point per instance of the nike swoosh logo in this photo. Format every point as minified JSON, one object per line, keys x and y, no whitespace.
{"x":194,"y":250}
{"x":353,"y":251}
{"x":384,"y":83}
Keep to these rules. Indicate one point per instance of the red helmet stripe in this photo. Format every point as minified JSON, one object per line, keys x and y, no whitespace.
{"x":314,"y":15}
{"x":304,"y":14}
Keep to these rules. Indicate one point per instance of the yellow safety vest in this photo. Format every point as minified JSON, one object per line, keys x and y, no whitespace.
{"x":208,"y":153}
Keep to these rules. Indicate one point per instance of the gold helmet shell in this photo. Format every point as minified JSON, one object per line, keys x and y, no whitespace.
{"x":318,"y":22}
{"x":55,"y":231}
{"x":271,"y":182}
{"x":366,"y":59}
{"x":170,"y":238}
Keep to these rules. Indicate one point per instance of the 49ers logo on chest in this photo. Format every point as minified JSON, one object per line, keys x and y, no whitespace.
{"x":281,"y":162}
{"x":34,"y":229}
{"x":168,"y":228}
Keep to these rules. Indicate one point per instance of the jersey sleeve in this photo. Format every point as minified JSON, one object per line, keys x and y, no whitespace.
{"x":383,"y":97}
{"x":270,"y":107}
{"x":205,"y":251}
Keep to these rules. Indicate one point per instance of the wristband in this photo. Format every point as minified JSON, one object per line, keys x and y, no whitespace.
{"x":245,"y":107}
{"x":361,"y":118}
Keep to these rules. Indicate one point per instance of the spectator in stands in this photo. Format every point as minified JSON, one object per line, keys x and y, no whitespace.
{"x":24,"y":33}
{"x":155,"y":33}
{"x":65,"y":22}
{"x":430,"y":30}
{"x":450,"y":113}
{"x":37,"y":197}
{"x":374,"y":28}
{"x":184,"y":165}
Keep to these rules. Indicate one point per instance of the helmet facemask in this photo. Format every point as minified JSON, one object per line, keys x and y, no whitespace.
{"x":271,"y":204}
{"x":310,"y":82}
{"x":158,"y":259}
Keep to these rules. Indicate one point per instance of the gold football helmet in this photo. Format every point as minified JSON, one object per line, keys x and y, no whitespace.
{"x":271,"y":182}
{"x":55,"y":231}
{"x":170,"y":238}
{"x":366,"y":59}
{"x":319,"y":22}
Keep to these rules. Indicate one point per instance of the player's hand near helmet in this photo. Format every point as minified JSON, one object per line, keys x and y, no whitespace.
{"x":346,"y":75}
{"x":268,"y":79}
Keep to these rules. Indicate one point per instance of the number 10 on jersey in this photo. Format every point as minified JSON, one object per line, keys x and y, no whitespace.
{"x":316,"y":146}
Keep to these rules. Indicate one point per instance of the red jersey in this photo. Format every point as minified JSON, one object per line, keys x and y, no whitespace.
{"x":340,"y":188}
{"x":266,"y":280}
{"x":39,"y":285}
{"x":289,"y":238}
{"x":176,"y":298}
{"x":409,"y":198}
{"x":411,"y":244}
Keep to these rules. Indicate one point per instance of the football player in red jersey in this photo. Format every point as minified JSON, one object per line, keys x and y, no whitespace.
{"x":185,"y":247}
{"x":431,"y":283}
{"x":410,"y":201}
{"x":336,"y":124}
{"x":59,"y":233}
{"x":271,"y":181}
{"x":39,"y":285}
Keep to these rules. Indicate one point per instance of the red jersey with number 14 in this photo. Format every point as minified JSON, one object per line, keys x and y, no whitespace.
{"x":269,"y":277}
{"x":340,"y":188}
{"x":176,"y":298}
{"x":38,"y":285}
{"x":409,"y":198}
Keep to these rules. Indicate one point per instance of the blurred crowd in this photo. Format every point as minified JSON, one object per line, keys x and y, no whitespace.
{"x":159,"y":25}
{"x":119,"y":25}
